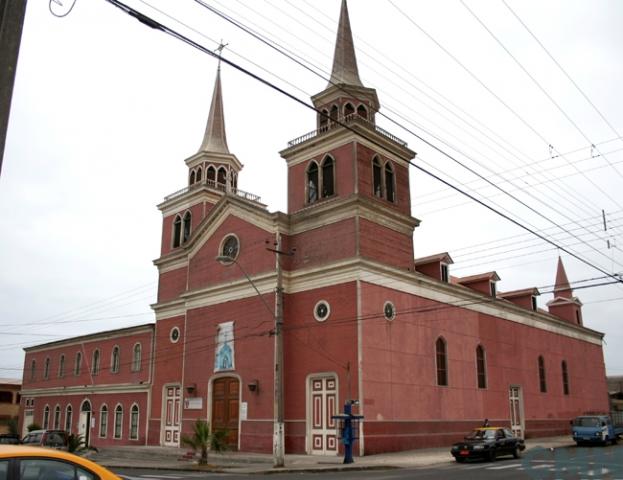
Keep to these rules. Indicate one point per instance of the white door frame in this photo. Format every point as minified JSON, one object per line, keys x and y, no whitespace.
{"x":515,"y":394}
{"x":309,"y":406}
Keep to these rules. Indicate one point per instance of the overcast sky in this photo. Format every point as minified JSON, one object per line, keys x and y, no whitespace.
{"x":105,"y":110}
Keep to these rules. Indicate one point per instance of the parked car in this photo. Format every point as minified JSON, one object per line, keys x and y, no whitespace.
{"x":9,"y":439}
{"x":595,"y":429}
{"x":47,"y":438}
{"x":488,"y":443}
{"x":19,"y":462}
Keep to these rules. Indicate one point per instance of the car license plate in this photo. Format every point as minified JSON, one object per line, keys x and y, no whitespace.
{"x":464,"y":452}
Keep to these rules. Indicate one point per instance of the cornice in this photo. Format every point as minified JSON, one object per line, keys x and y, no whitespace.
{"x":86,"y":389}
{"x":199,"y":192}
{"x":208,"y":157}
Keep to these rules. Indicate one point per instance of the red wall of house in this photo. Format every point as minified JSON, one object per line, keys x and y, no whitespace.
{"x":400,"y":390}
{"x":171,"y":284}
{"x":385,"y":245}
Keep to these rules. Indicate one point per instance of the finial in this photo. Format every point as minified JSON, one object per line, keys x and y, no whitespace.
{"x":220,"y":49}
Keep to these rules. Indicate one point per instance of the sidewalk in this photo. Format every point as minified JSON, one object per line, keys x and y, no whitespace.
{"x":167,"y":458}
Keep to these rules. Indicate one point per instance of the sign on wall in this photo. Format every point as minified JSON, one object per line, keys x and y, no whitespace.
{"x":224,"y":354}
{"x":193,"y":403}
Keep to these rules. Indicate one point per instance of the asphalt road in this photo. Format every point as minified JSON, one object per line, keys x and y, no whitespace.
{"x":564,"y":464}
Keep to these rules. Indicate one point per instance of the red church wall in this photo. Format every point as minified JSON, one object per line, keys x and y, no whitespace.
{"x":566,"y":312}
{"x":385,"y":245}
{"x":198,"y":213}
{"x":400,"y":390}
{"x":432,"y":270}
{"x":171,"y":284}
{"x":312,"y":347}
{"x":205,"y":270}
{"x":311,"y":246}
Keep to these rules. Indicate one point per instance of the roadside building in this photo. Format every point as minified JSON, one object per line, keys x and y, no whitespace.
{"x":9,"y":401}
{"x":427,"y":355}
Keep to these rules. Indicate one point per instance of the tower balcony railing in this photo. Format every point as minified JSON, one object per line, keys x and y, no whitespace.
{"x":347,"y":119}
{"x":214,"y":185}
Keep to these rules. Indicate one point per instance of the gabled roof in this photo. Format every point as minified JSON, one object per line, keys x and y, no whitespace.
{"x":438,"y":257}
{"x":519,"y":293}
{"x":491,"y":276}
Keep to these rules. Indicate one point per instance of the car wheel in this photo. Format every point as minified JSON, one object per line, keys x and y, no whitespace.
{"x":516,"y":452}
{"x":492,"y":455}
{"x":615,"y":440}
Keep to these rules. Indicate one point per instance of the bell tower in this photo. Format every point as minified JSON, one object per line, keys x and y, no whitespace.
{"x":349,"y":164}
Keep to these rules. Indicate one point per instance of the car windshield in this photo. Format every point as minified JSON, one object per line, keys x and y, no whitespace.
{"x":479,"y":434}
{"x":587,"y":422}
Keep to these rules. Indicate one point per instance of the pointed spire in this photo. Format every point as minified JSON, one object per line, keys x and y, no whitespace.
{"x":214,"y":139}
{"x":344,"y":60}
{"x":562,"y":287}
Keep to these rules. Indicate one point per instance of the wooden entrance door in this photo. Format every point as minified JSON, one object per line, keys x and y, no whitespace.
{"x":171,"y":415}
{"x":516,"y":410}
{"x":323,"y":404}
{"x":225,"y":408}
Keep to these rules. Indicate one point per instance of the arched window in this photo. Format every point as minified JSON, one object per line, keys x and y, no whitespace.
{"x":134,"y":422}
{"x":565,"y":378}
{"x":46,"y":369}
{"x":389,"y":182}
{"x":377,"y":178}
{"x":222,"y":177}
{"x":77,"y":363}
{"x":211,"y":175}
{"x":61,"y":366}
{"x":103,"y":421}
{"x":46,"y":417}
{"x":33,"y":369}
{"x":187,"y":223}
{"x":199,"y":175}
{"x":442,"y":363}
{"x":68,"y":415}
{"x":334,"y":113}
{"x":323,"y":121}
{"x":348,"y":109}
{"x":177,"y":231}
{"x":57,"y":417}
{"x":362,"y":111}
{"x":234,"y":180}
{"x":118,"y":421}
{"x":312,"y":182}
{"x":481,"y":367}
{"x":114,"y":360}
{"x":95,"y":363}
{"x":192,"y":177}
{"x":542,"y":380}
{"x":327,"y":177}
{"x":136,"y":358}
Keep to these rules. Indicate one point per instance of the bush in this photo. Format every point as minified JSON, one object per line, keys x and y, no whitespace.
{"x":75,"y":443}
{"x":218,"y":442}
{"x":33,"y":426}
{"x":200,"y":440}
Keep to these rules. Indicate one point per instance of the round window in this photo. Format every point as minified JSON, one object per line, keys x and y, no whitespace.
{"x":322,"y":311}
{"x":174,"y":335}
{"x":230,"y":247}
{"x":389,"y":311}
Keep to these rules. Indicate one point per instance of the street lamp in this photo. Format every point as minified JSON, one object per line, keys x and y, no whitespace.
{"x":278,"y":426}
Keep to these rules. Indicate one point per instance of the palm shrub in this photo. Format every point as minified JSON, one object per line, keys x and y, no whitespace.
{"x":33,"y":426}
{"x":218,"y":441}
{"x":75,"y":443}
{"x":200,"y":440}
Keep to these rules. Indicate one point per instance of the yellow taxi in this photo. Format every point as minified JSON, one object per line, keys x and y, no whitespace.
{"x":19,"y":462}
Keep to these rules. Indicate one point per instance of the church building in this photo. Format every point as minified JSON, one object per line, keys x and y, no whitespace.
{"x":425,"y":355}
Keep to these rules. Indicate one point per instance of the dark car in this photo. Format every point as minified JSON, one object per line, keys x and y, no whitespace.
{"x":488,"y":443}
{"x":47,"y":438}
{"x":9,"y":439}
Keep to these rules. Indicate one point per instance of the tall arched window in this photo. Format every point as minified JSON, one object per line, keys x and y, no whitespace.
{"x":77,"y":363}
{"x":46,"y":417}
{"x":61,"y":366}
{"x":114,"y":360}
{"x":389,"y":182}
{"x":57,"y":417}
{"x":362,"y":111}
{"x":334,"y":113}
{"x":134,"y":422}
{"x":481,"y":367}
{"x":222,"y":176}
{"x":565,"y":378}
{"x":136,"y":358}
{"x":542,"y":380}
{"x":323,"y":119}
{"x":68,"y":419}
{"x":199,"y":175}
{"x":103,"y":421}
{"x":95,"y":363}
{"x":177,"y":231}
{"x":312,"y":182}
{"x":377,"y":178}
{"x":211,"y":175}
{"x":348,"y":109}
{"x":33,"y":369}
{"x":328,"y":188}
{"x":187,"y":224}
{"x":118,"y":421}
{"x":46,"y":369}
{"x":442,"y":362}
{"x":192,"y":177}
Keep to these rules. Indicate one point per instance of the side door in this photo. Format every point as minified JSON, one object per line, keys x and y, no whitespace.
{"x":172,"y":398}
{"x":322,"y":406}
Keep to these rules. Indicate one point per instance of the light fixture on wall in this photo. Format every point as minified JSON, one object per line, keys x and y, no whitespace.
{"x":191,"y":388}
{"x":254,"y":386}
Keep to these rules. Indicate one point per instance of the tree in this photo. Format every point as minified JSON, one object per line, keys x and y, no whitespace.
{"x":200,"y":440}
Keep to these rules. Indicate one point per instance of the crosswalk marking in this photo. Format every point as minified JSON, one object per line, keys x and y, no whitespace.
{"x":503,"y":467}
